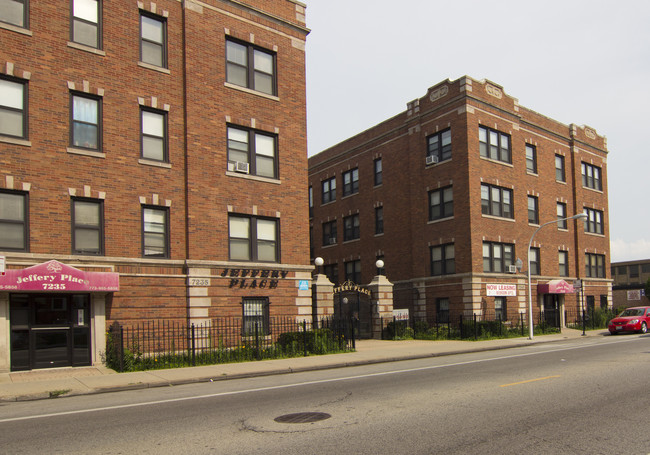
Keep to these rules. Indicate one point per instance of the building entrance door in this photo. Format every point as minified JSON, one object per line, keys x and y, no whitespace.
{"x":553,"y":304}
{"x":49,"y":330}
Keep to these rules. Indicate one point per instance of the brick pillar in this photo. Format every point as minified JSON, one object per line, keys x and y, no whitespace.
{"x":322,"y":294}
{"x":382,"y":304}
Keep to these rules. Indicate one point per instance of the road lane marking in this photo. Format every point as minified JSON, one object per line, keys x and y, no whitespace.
{"x":529,"y":380}
{"x":305,"y":383}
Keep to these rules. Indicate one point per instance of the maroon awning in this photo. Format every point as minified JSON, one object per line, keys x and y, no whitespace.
{"x":555,"y":287}
{"x":55,"y":276}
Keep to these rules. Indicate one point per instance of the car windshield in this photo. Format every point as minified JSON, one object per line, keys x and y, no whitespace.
{"x":632,"y":312}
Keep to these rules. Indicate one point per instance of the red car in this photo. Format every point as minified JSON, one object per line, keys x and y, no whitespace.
{"x":636,"y":319}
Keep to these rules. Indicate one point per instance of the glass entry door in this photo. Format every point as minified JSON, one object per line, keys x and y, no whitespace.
{"x":49,"y":330}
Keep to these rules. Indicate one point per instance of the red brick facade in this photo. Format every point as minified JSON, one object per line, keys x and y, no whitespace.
{"x":194,"y":184}
{"x":463,"y":107}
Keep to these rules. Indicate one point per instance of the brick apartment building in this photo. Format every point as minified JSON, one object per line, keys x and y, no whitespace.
{"x":630,"y":278}
{"x":152,"y":165}
{"x":449,"y":193}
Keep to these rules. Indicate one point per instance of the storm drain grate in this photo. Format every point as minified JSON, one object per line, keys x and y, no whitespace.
{"x":303,"y":417}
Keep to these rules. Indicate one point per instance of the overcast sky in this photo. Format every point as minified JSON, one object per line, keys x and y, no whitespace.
{"x":577,"y":61}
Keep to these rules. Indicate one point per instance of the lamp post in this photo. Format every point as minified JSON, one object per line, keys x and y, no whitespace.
{"x":318,"y":262}
{"x":530,"y":290}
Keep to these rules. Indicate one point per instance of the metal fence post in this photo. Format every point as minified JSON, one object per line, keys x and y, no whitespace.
{"x":193,"y":346}
{"x":304,"y":336}
{"x":461,"y":327}
{"x":475,"y":328}
{"x":121,"y":349}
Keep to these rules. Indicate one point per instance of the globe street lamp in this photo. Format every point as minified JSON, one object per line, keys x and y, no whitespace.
{"x":530,"y":290}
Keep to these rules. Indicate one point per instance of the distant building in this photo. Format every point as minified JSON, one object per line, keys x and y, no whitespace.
{"x":162,"y":143}
{"x":630,"y":278}
{"x":448,"y":194}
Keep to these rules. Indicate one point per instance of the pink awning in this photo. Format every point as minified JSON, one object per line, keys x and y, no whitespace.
{"x":555,"y":287}
{"x":55,"y":276}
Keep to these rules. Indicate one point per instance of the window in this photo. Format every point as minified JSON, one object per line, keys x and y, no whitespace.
{"x":250,"y":67}
{"x":350,"y":182}
{"x":328,"y":190}
{"x":441,"y":203}
{"x":155,"y":232}
{"x":563,"y":261}
{"x":15,"y":12}
{"x":591,"y":304}
{"x":154,"y":135}
{"x":634,"y":271}
{"x":645,"y":268}
{"x":353,"y":271}
{"x":594,"y":265}
{"x":253,"y":239}
{"x":153,"y":40}
{"x":533,"y":210}
{"x":497,"y":256}
{"x":496,"y":201}
{"x":254,"y":148}
{"x":603,"y":302}
{"x":494,"y":145}
{"x":14,"y":232}
{"x":560,"y":176}
{"x":594,"y":221}
{"x":442,"y":310}
{"x":86,"y":23}
{"x":561,"y":213}
{"x":332,"y":272}
{"x":255,"y":315}
{"x":443,"y":260}
{"x":439,"y":145}
{"x":500,"y":308}
{"x":378,"y":172}
{"x":329,"y":233}
{"x":351,"y":229}
{"x":13,"y":108}
{"x":531,"y":158}
{"x":87,"y":227}
{"x":534,"y":261}
{"x":622,"y":270}
{"x":311,"y":202}
{"x":86,"y":115}
{"x":591,"y":177}
{"x":379,"y":220}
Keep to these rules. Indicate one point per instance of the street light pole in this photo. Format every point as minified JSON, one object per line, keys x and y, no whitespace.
{"x":530,"y":289}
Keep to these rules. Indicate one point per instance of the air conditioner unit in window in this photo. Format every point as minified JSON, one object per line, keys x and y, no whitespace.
{"x":332,"y":240}
{"x":241,"y":167}
{"x":512,"y":269}
{"x":432,"y":159}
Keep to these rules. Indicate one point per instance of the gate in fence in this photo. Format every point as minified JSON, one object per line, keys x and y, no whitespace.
{"x":353,"y":302}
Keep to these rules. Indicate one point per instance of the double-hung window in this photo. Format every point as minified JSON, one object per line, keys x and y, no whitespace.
{"x":87,"y":227}
{"x":353,"y":271}
{"x":442,"y":310}
{"x":328,"y":190}
{"x":331,"y":271}
{"x":594,"y":221}
{"x":86,"y":121}
{"x":350,"y":182}
{"x":591,"y":177}
{"x":15,"y":12}
{"x":441,"y":203}
{"x":311,"y":202}
{"x":253,"y":152}
{"x":155,"y":232}
{"x":560,"y":174}
{"x":351,"y":229}
{"x":594,"y":265}
{"x":533,"y":210}
{"x":531,"y":159}
{"x":255,"y":314}
{"x":563,"y":263}
{"x":14,"y":230}
{"x":250,"y":67}
{"x":254,"y":238}
{"x":379,"y":220}
{"x":154,"y":135}
{"x":497,"y":256}
{"x":439,"y":145}
{"x":561,"y":213}
{"x":378,"y":172}
{"x":13,"y":108}
{"x":500,"y":308}
{"x":535,"y":261}
{"x":496,"y":201}
{"x":494,"y":145}
{"x":443,"y":259}
{"x":86,"y":23}
{"x":153,"y":40}
{"x":329,"y":233}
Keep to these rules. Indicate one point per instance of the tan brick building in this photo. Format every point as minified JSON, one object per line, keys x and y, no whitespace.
{"x":630,"y":278}
{"x":449,"y":193}
{"x":164,"y":142}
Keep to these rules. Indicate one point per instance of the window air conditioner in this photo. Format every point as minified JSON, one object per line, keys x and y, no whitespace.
{"x":241,"y":167}
{"x":512,"y":269}
{"x":432,"y":159}
{"x":332,"y":240}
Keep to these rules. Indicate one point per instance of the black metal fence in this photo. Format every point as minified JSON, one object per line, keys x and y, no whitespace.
{"x":169,"y":344}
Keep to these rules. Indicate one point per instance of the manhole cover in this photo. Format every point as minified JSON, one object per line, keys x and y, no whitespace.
{"x":302,"y":417}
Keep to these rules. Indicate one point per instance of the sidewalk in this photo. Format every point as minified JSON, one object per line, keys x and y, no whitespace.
{"x":40,"y":384}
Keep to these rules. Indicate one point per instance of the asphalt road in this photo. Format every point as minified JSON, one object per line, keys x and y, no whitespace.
{"x":579,"y":396}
